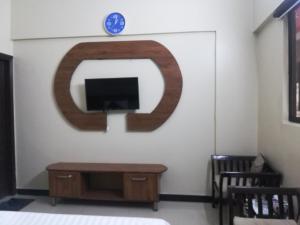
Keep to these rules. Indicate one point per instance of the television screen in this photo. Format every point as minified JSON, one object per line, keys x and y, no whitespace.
{"x":112,"y":94}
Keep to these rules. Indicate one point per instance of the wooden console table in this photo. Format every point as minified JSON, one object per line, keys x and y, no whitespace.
{"x":103,"y":181}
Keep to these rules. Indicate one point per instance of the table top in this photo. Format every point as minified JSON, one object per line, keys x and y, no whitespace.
{"x":107,"y":167}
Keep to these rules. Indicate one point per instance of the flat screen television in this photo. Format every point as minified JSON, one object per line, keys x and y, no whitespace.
{"x":112,"y":94}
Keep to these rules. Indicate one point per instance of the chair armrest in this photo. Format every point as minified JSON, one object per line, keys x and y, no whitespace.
{"x":260,"y":179}
{"x":250,"y":174}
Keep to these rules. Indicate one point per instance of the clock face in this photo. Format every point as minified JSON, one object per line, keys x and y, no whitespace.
{"x":114,"y":23}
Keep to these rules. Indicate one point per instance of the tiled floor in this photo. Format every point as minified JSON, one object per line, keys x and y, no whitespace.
{"x":176,"y":213}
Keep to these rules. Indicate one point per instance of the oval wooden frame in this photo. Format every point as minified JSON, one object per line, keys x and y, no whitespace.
{"x":118,"y":50}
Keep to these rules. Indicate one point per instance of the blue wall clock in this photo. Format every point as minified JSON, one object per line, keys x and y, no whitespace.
{"x":114,"y":23}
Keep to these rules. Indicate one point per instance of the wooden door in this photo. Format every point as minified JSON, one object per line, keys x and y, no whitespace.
{"x":7,"y":159}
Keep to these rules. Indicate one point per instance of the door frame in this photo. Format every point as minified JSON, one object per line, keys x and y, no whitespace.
{"x":9,"y":60}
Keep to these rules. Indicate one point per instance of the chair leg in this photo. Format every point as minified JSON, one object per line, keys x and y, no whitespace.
{"x":221,"y":209}
{"x":230,"y":210}
{"x":213,"y":196}
{"x":215,"y":200}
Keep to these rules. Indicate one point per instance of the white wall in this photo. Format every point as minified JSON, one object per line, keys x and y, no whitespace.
{"x":59,"y":18}
{"x":278,"y":139}
{"x":5,"y":25}
{"x":186,"y":137}
{"x":211,"y":30}
{"x":263,"y":10}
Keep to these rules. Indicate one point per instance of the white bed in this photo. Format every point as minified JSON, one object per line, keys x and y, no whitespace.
{"x":28,"y":218}
{"x":254,"y":221}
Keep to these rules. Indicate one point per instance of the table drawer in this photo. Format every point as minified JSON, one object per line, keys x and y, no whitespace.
{"x":140,"y":187}
{"x":64,"y":184}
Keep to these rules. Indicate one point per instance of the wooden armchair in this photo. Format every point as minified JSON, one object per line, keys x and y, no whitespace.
{"x":282,"y":205}
{"x":235,"y":171}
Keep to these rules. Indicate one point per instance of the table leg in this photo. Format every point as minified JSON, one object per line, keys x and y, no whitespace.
{"x":53,"y":201}
{"x":155,"y":206}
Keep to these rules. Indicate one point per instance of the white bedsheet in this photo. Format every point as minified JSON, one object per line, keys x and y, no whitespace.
{"x":254,"y":221}
{"x":28,"y":218}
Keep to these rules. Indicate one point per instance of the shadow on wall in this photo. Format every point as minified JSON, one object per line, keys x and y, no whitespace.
{"x":209,"y":211}
{"x":208,"y":178}
{"x":39,"y":181}
{"x":82,"y":99}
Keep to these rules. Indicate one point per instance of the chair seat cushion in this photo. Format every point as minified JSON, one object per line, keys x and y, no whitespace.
{"x":258,"y":164}
{"x":254,"y":221}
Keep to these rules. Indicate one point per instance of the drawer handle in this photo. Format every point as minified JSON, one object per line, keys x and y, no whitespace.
{"x":65,"y":176}
{"x":139,"y":179}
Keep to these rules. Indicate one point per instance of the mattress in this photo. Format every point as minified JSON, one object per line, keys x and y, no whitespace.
{"x":28,"y":218}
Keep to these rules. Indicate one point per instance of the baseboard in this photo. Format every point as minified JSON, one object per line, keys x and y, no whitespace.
{"x":185,"y":198}
{"x":162,"y":197}
{"x":35,"y":192}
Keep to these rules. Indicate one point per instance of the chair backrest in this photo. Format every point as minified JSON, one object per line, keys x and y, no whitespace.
{"x":264,"y":202}
{"x":231,"y":163}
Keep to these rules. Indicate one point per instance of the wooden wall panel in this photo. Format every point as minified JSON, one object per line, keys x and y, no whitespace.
{"x":119,"y":50}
